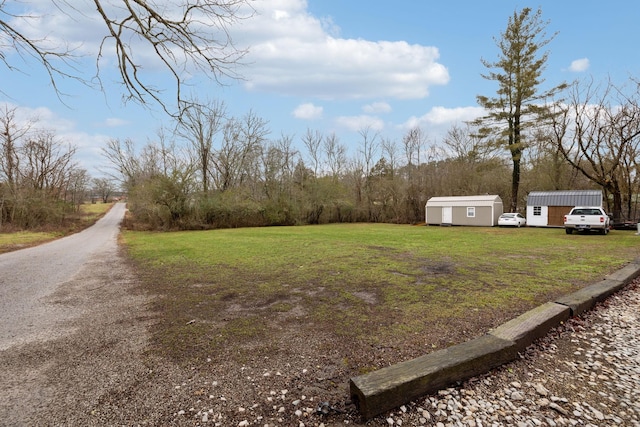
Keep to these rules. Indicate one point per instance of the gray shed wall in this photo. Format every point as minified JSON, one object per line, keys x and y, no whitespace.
{"x":434,"y":215}
{"x":483,"y":216}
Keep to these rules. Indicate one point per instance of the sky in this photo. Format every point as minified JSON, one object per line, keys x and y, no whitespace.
{"x":333,"y":66}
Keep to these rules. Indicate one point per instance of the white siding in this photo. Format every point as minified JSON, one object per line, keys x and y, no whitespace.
{"x":541,"y":220}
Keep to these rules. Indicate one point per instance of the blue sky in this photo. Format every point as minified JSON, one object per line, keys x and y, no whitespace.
{"x":335,"y":66}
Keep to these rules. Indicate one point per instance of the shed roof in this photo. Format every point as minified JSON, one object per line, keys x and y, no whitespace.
{"x":481,"y":200}
{"x":565,"y":198}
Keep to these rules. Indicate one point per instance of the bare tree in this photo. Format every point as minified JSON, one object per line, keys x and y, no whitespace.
{"x":465,"y":143}
{"x":548,"y":169}
{"x":596,"y":131}
{"x":290,"y":157}
{"x":253,"y":133}
{"x":77,"y":186}
{"x":32,"y":157}
{"x":390,"y":152}
{"x":168,"y":154}
{"x":387,"y":181}
{"x":185,"y":36}
{"x":413,"y":144}
{"x":241,"y":145}
{"x":470,"y":165}
{"x":47,"y":164}
{"x":124,"y":164}
{"x":279,"y":160}
{"x":159,"y":182}
{"x":11,"y":135}
{"x":39,"y":179}
{"x":102,"y":188}
{"x":336,"y":155}
{"x":368,"y":151}
{"x":312,"y":141}
{"x":369,"y":146}
{"x":199,"y":125}
{"x":131,"y":166}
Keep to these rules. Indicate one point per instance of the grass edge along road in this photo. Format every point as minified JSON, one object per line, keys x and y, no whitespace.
{"x":88,"y":214}
{"x":367,"y":294}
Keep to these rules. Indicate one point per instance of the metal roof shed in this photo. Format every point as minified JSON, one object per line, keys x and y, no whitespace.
{"x":481,"y":210}
{"x":547,"y":208}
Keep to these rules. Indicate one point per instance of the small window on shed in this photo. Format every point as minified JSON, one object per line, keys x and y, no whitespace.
{"x":537,"y":210}
{"x":471,"y":212}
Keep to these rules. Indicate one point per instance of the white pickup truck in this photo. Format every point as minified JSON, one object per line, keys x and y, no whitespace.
{"x":587,"y":218}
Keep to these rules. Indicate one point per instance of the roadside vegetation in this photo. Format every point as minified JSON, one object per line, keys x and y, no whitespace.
{"x":12,"y":238}
{"x":364,"y":294}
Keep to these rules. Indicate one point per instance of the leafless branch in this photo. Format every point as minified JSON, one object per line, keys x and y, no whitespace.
{"x":186,"y":37}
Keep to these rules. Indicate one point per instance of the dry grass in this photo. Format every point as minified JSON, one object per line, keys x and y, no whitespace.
{"x":12,"y":239}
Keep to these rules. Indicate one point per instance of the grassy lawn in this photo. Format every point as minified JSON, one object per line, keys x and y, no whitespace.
{"x":354,"y":290}
{"x":88,"y":215}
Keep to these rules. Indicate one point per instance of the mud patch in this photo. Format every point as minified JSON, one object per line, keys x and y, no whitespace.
{"x":439,"y":268}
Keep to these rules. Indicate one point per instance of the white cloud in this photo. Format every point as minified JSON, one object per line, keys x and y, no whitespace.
{"x":307,"y":111}
{"x":47,"y":24}
{"x":357,"y":123}
{"x":579,"y":65}
{"x":291,"y":52}
{"x":377,"y":108}
{"x":294,"y":53}
{"x":40,"y":118}
{"x":78,"y":27}
{"x":439,"y":116}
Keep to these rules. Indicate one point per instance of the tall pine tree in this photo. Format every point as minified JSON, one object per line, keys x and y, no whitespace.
{"x":519,"y":103}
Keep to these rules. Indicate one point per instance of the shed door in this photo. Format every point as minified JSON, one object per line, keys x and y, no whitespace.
{"x":447,"y":215}
{"x":557,"y":213}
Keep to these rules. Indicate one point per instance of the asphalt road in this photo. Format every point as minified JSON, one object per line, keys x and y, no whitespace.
{"x":29,"y":276}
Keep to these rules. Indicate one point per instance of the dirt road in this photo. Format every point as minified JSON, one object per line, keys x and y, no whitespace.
{"x":31,"y":275}
{"x":72,"y":331}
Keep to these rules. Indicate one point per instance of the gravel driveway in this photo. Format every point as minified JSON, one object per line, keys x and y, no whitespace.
{"x":32,"y":275}
{"x":72,"y":331}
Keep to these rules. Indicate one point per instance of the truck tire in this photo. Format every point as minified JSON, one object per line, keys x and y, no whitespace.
{"x":568,"y":230}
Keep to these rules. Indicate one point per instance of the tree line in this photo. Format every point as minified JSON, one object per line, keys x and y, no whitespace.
{"x":219,"y":171}
{"x":41,"y":183}
{"x":214,"y":170}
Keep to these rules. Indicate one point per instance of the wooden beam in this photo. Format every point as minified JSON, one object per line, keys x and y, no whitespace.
{"x":390,"y":387}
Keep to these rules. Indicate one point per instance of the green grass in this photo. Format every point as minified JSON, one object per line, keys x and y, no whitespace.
{"x":93,"y":211}
{"x":24,"y":239}
{"x":395,"y":285}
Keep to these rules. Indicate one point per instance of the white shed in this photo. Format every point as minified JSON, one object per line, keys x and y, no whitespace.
{"x":483,"y":210}
{"x":548,"y":208}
